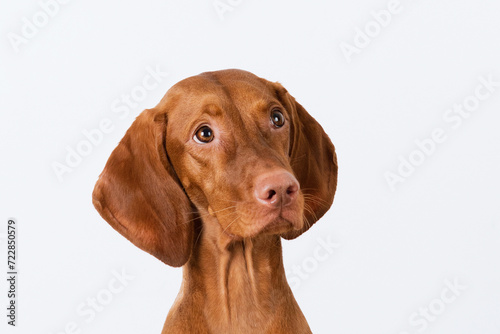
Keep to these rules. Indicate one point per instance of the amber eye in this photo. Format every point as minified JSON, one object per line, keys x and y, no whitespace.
{"x":204,"y":135}
{"x":277,"y":118}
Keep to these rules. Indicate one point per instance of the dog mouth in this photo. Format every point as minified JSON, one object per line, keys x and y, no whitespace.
{"x":277,"y":226}
{"x":273,"y":224}
{"x":247,"y":220}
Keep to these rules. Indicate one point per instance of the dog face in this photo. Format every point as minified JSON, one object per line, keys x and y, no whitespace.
{"x":230,"y":149}
{"x":226,"y":144}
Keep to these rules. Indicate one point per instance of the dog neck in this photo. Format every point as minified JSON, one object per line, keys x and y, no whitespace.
{"x":242,"y":282}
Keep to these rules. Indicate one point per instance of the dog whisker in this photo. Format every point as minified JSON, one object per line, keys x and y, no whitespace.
{"x":231,"y":223}
{"x":208,"y":214}
{"x":199,"y":235}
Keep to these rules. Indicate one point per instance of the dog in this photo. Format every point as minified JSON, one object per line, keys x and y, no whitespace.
{"x":211,"y":179}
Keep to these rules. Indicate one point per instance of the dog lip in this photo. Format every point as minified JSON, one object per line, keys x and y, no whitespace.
{"x":278,"y":223}
{"x":273,"y":221}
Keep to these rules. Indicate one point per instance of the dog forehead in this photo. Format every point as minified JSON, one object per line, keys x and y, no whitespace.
{"x":225,"y":91}
{"x":234,"y":84}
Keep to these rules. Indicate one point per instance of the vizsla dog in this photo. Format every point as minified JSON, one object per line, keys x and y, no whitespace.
{"x":211,"y":179}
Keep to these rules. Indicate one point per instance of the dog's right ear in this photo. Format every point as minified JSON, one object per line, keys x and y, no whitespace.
{"x":139,"y":195}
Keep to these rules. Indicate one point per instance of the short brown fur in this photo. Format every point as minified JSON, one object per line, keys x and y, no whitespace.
{"x":197,"y":205}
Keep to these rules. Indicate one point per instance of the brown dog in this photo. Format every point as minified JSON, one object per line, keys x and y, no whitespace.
{"x":210,"y":179}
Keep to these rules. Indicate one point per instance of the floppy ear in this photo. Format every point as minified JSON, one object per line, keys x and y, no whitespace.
{"x":313,"y":160}
{"x":138,"y":194}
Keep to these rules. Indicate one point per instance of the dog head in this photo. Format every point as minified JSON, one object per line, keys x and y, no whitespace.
{"x":227,"y":144}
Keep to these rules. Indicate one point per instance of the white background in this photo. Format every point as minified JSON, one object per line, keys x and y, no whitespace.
{"x":395,"y":248}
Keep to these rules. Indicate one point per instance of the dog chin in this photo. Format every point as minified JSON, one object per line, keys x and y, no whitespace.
{"x":274,"y":226}
{"x":278,"y":226}
{"x":274,"y":223}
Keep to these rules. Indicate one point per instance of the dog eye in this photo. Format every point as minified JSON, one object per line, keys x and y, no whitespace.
{"x":204,"y":135}
{"x":277,"y":118}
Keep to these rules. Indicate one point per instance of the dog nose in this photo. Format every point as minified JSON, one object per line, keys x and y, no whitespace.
{"x":276,"y":189}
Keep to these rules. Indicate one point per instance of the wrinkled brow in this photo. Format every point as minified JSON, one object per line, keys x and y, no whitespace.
{"x":211,"y":109}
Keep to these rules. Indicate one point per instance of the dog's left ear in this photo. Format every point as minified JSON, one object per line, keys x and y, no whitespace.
{"x":313,"y":160}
